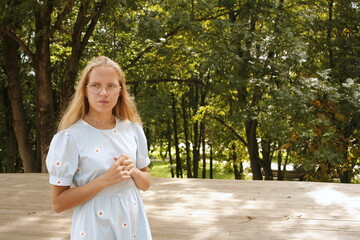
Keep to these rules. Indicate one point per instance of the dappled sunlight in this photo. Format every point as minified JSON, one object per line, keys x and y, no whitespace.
{"x":28,"y":219}
{"x":202,"y":209}
{"x":264,"y":204}
{"x":327,"y":196}
{"x":314,"y":234}
{"x":192,"y":206}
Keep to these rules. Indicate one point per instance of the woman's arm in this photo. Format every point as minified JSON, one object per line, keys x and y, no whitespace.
{"x":142,"y":178}
{"x":64,"y":197}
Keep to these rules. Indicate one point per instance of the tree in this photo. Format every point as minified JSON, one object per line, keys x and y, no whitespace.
{"x":12,"y":69}
{"x":44,"y":27}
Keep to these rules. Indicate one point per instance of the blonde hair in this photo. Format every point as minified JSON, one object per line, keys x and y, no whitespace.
{"x":124,"y":109}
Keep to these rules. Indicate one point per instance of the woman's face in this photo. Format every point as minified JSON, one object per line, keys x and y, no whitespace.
{"x":102,"y":90}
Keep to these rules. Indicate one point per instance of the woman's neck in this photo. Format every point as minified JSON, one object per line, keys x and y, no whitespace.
{"x":100,"y":119}
{"x":103,"y":122}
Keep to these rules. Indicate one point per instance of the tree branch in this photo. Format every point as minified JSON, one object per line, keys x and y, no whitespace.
{"x":94,"y":19}
{"x":19,"y":41}
{"x":231,"y":129}
{"x":60,"y":17}
{"x":155,"y":81}
{"x":140,"y":54}
{"x":215,"y":15}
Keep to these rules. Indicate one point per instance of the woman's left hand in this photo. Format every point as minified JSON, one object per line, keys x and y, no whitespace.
{"x":128,"y":164}
{"x":141,"y":176}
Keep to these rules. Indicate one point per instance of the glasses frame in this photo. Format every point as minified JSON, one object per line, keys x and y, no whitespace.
{"x":110,"y":89}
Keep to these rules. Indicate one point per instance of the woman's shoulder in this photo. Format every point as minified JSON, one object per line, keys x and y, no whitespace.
{"x":73,"y":130}
{"x":123,"y":123}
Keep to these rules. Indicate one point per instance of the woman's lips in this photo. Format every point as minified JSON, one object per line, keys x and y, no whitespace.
{"x":103,"y":102}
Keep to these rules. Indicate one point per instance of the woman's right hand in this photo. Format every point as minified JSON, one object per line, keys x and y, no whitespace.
{"x":64,"y":197}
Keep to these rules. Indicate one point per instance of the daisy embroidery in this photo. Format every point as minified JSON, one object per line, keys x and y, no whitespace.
{"x":58,"y":163}
{"x":97,"y":150}
{"x":100,"y":213}
{"x":78,"y":170}
{"x":134,"y":235}
{"x":114,"y":131}
{"x":124,"y":225}
{"x":82,"y":234}
{"x":58,"y":182}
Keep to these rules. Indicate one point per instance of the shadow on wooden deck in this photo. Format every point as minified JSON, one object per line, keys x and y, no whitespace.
{"x":200,"y":209}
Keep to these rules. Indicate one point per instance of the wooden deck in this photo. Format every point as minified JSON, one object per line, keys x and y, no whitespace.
{"x":196,"y":209}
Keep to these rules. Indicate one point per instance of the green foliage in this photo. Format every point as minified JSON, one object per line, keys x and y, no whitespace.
{"x":162,"y":169}
{"x":291,"y":66}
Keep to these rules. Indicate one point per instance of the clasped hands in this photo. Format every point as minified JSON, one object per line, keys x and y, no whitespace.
{"x":123,"y":168}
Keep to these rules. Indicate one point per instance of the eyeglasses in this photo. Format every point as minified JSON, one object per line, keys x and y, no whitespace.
{"x":96,"y":88}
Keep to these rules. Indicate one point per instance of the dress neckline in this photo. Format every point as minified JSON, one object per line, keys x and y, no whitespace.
{"x":100,"y":129}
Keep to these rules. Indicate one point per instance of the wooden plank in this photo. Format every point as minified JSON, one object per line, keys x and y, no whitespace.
{"x":199,"y":209}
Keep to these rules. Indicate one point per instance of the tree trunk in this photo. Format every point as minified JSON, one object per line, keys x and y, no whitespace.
{"x":19,"y":123}
{"x":345,"y":177}
{"x":202,"y":131}
{"x":11,"y":146}
{"x":83,"y":30}
{"x":237,"y":172}
{"x":253,"y":149}
{"x":8,"y":163}
{"x":203,"y":135}
{"x":196,"y":153}
{"x":169,"y":149}
{"x":186,"y":134}
{"x":329,"y":34}
{"x":196,"y":142}
{"x":280,"y":176}
{"x":265,"y":146}
{"x":44,"y":93}
{"x":176,"y":139}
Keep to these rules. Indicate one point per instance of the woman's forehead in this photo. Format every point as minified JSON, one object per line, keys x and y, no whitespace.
{"x":104,"y":74}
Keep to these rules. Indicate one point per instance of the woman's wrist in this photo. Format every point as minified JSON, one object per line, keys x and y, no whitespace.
{"x":135,"y":173}
{"x":103,"y":181}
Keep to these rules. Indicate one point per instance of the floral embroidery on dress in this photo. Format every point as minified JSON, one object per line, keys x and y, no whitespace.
{"x":100,"y":213}
{"x":134,"y":235}
{"x":58,"y":182}
{"x":135,"y":204}
{"x":97,"y":150}
{"x":78,"y":170}
{"x":58,"y":163}
{"x":124,"y":225}
{"x":82,"y":234}
{"x":114,"y":131}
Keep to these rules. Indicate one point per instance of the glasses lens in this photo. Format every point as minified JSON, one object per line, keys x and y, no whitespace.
{"x":97,"y":89}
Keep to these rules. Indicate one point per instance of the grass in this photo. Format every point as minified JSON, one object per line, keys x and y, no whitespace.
{"x":162,"y":169}
{"x":220,"y":171}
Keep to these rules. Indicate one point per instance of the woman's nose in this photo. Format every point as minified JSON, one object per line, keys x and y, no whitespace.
{"x":103,"y":91}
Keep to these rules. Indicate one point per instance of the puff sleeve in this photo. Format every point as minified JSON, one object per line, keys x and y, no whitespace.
{"x":62,"y":159}
{"x":142,"y":157}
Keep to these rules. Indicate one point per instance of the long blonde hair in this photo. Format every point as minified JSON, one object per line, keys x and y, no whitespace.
{"x":124,"y":109}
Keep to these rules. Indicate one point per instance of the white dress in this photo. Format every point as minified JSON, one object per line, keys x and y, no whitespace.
{"x":80,"y":154}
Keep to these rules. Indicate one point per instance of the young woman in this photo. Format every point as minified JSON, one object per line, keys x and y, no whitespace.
{"x":101,"y":149}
